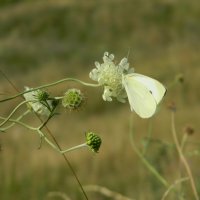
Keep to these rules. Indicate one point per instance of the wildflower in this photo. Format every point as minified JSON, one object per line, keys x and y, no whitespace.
{"x":38,"y":101}
{"x":93,"y":141}
{"x":109,"y":75}
{"x":73,"y":99}
{"x":144,"y":93}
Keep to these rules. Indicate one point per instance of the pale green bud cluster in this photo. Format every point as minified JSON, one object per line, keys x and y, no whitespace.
{"x":73,"y":99}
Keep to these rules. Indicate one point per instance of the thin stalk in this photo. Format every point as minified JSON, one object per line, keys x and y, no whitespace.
{"x":56,"y":147}
{"x":47,"y":140}
{"x":146,"y":163}
{"x":48,"y":130}
{"x":65,"y":158}
{"x":173,"y":186}
{"x":149,"y":135}
{"x":49,"y":85}
{"x":74,"y":148}
{"x":13,"y":123}
{"x":184,"y":141}
{"x":18,"y":122}
{"x":43,"y":136}
{"x":14,"y":110}
{"x":182,"y":157}
{"x":106,"y":192}
{"x":45,"y":122}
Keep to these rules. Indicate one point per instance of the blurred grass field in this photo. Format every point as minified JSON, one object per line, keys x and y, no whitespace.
{"x":42,"y":41}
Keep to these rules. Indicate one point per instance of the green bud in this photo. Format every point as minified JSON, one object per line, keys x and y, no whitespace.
{"x":93,"y":141}
{"x":38,"y":101}
{"x":73,"y":99}
{"x":41,"y":95}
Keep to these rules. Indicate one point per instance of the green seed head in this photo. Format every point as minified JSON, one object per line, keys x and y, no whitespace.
{"x":38,"y":101}
{"x":41,"y":95}
{"x":73,"y":99}
{"x":93,"y":141}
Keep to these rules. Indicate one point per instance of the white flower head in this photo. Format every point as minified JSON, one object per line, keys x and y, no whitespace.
{"x":35,"y":104}
{"x":109,"y":75}
{"x":144,"y":93}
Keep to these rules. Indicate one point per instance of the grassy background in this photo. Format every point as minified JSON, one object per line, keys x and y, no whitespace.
{"x":42,"y":41}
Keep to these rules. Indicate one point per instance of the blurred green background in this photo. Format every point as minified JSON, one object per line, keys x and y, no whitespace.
{"x":42,"y":41}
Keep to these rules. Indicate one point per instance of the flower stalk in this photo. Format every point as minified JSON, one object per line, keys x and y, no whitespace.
{"x":50,"y":85}
{"x":182,"y":157}
{"x":143,"y":159}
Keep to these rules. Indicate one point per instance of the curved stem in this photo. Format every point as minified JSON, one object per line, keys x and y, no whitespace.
{"x":182,"y":157}
{"x":48,"y":130}
{"x":15,"y":109}
{"x":65,"y":158}
{"x":173,"y":185}
{"x":14,"y":120}
{"x":38,"y":130}
{"x":108,"y":193}
{"x":47,"y":140}
{"x":49,"y":85}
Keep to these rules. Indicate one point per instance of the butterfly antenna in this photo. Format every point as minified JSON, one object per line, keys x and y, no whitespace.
{"x":128,"y":52}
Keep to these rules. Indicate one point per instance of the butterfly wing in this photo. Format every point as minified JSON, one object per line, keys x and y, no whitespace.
{"x":154,"y":86}
{"x":140,"y":97}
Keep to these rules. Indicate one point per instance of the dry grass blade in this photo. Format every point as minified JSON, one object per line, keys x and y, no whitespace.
{"x":105,"y":191}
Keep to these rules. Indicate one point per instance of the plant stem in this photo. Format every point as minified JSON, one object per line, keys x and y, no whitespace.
{"x":48,"y":130}
{"x":146,"y":163}
{"x":182,"y":157}
{"x":74,"y":148}
{"x":49,"y":85}
{"x":149,"y":134}
{"x":13,"y":121}
{"x":67,"y":162}
{"x":173,"y":185}
{"x":15,"y":109}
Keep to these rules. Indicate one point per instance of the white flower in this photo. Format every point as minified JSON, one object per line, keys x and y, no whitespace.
{"x":35,"y":104}
{"x":109,"y":75}
{"x":144,"y":93}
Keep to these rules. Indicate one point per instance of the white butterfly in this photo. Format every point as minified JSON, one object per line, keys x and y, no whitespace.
{"x":144,"y":93}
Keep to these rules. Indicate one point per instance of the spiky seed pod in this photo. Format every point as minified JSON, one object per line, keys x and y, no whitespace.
{"x":41,"y":95}
{"x":38,"y":101}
